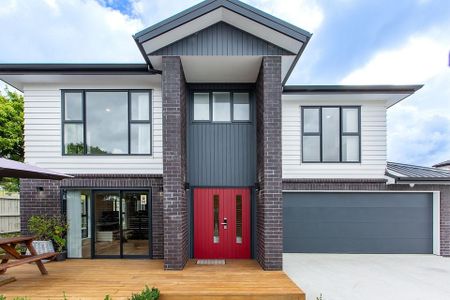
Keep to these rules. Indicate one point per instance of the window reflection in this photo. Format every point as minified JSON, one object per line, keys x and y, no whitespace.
{"x":239,"y":219}
{"x":216,"y":219}
{"x":107,"y":122}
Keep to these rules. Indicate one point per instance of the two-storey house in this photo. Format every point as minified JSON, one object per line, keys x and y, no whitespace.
{"x":203,"y":151}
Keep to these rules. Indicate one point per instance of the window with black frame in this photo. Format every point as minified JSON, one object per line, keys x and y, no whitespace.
{"x":100,"y":122}
{"x":331,"y":134}
{"x":221,"y":107}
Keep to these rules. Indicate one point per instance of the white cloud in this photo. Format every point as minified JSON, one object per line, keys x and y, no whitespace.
{"x":419,"y":59}
{"x":305,"y":14}
{"x":418,"y":127}
{"x":66,"y":31}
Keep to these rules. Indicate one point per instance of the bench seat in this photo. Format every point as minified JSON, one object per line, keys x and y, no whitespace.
{"x":26,"y":260}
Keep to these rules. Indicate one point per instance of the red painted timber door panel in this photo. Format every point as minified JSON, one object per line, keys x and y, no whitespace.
{"x":221,"y":223}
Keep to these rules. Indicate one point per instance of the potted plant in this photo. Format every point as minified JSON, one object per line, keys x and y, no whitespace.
{"x":50,"y":233}
{"x":59,"y":235}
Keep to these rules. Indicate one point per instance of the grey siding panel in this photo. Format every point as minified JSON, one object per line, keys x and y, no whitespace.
{"x":221,"y":154}
{"x":358,"y":222}
{"x":221,"y":39}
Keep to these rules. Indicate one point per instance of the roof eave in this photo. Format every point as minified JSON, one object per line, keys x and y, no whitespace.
{"x":352,"y":89}
{"x":294,"y":63}
{"x":77,"y":69}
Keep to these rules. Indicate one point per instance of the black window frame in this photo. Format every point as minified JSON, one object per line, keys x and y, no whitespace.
{"x":320,"y":132}
{"x":211,"y":109}
{"x":83,"y":121}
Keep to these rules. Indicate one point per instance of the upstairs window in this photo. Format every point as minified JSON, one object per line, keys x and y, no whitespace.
{"x":220,"y":107}
{"x":331,"y":134}
{"x":97,"y":122}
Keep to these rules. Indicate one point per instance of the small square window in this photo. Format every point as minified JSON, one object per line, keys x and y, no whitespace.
{"x":221,"y":107}
{"x":73,"y":139}
{"x":73,"y":107}
{"x":311,"y":148}
{"x":140,"y":106}
{"x":350,"y":148}
{"x":241,"y":107}
{"x":350,"y":120}
{"x":201,"y":106}
{"x":140,"y":138}
{"x":311,"y":120}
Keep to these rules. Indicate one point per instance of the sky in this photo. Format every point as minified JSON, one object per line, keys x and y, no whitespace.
{"x":354,"y":42}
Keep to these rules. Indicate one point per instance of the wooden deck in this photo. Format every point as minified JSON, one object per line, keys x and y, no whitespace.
{"x":93,"y":279}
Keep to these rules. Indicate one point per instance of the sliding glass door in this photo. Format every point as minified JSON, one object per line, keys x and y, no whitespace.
{"x":107,"y":223}
{"x":122,"y":223}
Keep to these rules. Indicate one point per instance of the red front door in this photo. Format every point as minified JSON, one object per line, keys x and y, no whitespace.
{"x":222,"y":223}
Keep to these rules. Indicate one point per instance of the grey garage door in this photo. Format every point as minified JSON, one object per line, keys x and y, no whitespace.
{"x":358,"y":222}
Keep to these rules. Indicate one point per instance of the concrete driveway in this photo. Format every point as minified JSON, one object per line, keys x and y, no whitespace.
{"x":370,"y":276}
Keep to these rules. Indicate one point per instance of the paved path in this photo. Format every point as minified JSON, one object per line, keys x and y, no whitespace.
{"x":370,"y":276}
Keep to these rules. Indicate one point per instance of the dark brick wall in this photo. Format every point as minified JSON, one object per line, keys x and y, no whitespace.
{"x":48,"y":202}
{"x":269,"y":202}
{"x":380,"y":185}
{"x":174,"y":160}
{"x":34,"y":202}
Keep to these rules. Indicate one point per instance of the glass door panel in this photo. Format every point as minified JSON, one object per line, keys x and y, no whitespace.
{"x":135,"y":223}
{"x":107,"y":223}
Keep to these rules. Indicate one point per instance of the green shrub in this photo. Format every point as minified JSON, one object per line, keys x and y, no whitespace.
{"x":49,"y":228}
{"x":146,"y":294}
{"x":107,"y":297}
{"x":2,"y":297}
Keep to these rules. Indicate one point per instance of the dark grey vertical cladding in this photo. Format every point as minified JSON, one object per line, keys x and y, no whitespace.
{"x":221,"y":39}
{"x":358,"y":222}
{"x":221,"y":154}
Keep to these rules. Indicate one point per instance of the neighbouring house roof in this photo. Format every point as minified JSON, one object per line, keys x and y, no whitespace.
{"x":11,"y":168}
{"x":183,"y":31}
{"x":442,"y":164}
{"x":411,"y":173}
{"x":392,"y":94}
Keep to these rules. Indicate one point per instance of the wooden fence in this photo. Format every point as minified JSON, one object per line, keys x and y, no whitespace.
{"x":9,"y":214}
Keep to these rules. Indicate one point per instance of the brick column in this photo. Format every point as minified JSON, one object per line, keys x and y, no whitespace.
{"x":174,"y":160}
{"x":33,"y":202}
{"x":269,"y":202}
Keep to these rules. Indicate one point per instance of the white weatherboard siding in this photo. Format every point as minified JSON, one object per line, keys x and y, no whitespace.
{"x":373,"y":143}
{"x":43,"y":134}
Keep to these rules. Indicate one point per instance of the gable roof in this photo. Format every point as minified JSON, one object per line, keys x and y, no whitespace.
{"x":406,"y":172}
{"x":221,"y":39}
{"x":233,"y":5}
{"x":172,"y":32}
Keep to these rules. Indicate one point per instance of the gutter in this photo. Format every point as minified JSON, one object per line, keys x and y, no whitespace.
{"x":76,"y":69}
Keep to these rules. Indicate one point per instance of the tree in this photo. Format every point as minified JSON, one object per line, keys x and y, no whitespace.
{"x":11,"y":132}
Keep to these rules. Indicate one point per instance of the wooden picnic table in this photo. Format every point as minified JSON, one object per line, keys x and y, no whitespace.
{"x":14,"y":258}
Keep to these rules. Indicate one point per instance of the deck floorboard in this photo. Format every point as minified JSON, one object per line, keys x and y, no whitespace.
{"x":93,"y":279}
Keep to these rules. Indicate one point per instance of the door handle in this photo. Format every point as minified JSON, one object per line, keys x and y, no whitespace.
{"x":225,"y":223}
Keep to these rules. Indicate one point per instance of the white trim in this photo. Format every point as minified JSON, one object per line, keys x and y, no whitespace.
{"x":436,"y":209}
{"x":437,"y":223}
{"x":230,"y":17}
